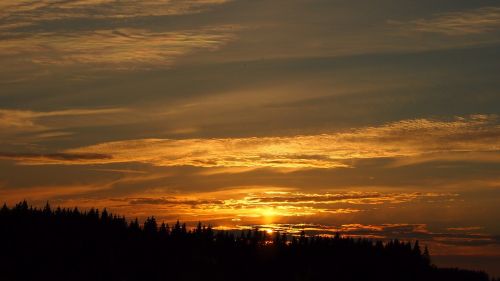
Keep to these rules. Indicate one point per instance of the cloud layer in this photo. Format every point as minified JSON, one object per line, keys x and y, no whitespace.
{"x":482,"y":20}
{"x":119,"y":49}
{"x":28,"y":126}
{"x":25,"y":13}
{"x":433,"y":139}
{"x":373,"y":118}
{"x":50,"y":34}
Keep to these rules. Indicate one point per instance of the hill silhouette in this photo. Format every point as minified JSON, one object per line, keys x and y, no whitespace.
{"x":68,"y":244}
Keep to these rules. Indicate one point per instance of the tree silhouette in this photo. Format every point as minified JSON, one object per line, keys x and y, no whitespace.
{"x":150,"y":226}
{"x":67,"y":244}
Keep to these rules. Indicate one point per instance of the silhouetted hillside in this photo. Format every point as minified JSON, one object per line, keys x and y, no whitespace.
{"x":64,"y":244}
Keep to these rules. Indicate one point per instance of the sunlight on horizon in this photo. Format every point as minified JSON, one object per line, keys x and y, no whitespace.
{"x":377,"y":119}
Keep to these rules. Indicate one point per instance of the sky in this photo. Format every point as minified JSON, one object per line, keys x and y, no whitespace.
{"x":377,"y":119}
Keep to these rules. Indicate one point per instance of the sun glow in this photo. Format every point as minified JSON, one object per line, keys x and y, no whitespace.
{"x":268,"y":212}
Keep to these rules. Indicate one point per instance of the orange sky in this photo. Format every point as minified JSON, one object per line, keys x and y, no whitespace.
{"x":373,"y":118}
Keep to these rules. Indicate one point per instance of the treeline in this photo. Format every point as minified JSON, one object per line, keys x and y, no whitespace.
{"x":68,"y":244}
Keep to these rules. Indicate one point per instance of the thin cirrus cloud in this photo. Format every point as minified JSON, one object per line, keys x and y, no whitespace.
{"x":282,"y":198}
{"x":403,"y":139}
{"x":125,"y":49}
{"x":32,"y":126}
{"x":14,"y":14}
{"x":36,"y":35}
{"x":26,"y":120}
{"x":482,"y":20}
{"x":352,"y":198}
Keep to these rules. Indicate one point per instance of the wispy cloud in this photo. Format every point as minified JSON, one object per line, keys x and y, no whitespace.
{"x":24,"y":13}
{"x":174,"y":202}
{"x":26,"y":120}
{"x":352,"y":198}
{"x":476,"y":21}
{"x":119,"y":49}
{"x":408,"y":138}
{"x":36,"y":38}
{"x":78,"y":189}
{"x":33,"y":125}
{"x":52,"y":156}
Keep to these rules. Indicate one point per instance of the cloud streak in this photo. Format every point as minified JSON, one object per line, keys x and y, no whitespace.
{"x":26,"y":120}
{"x":118,"y":49}
{"x":32,"y":126}
{"x":482,"y":20}
{"x":55,"y":156}
{"x":38,"y":38}
{"x":25,"y":13}
{"x":403,"y":139}
{"x":352,"y":198}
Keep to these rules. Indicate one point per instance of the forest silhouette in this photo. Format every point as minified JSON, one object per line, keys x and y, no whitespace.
{"x":68,"y":244}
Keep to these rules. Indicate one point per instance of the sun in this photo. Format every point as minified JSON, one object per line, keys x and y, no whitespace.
{"x":268,"y":215}
{"x":268,"y":212}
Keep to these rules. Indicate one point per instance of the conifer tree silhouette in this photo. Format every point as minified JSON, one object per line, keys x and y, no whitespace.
{"x":66,"y":244}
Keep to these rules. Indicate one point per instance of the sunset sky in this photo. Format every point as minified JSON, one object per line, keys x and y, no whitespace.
{"x":374,"y":118}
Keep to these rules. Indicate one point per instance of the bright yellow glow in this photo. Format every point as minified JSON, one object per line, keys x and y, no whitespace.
{"x":238,"y":206}
{"x":268,"y":212}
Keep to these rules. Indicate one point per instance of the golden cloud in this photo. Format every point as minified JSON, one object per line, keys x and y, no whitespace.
{"x":120,"y":49}
{"x":31,"y":49}
{"x":15,"y":13}
{"x":241,"y":204}
{"x":402,"y":139}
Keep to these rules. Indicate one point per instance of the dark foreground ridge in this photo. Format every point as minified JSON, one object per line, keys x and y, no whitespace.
{"x":64,"y":244}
